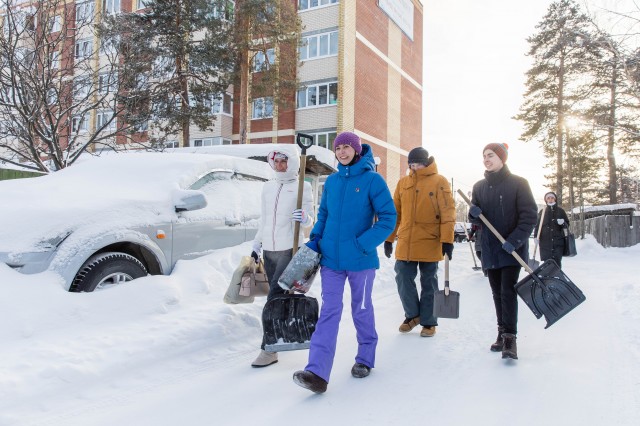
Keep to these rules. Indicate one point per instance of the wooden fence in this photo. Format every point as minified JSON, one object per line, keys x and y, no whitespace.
{"x":6,"y":174}
{"x":611,"y":231}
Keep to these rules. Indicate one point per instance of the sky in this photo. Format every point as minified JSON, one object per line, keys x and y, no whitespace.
{"x":474,"y":78}
{"x":167,"y":351}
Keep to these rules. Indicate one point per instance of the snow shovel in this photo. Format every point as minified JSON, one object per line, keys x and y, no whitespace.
{"x":289,"y":320}
{"x":304,"y":141}
{"x":475,"y":266}
{"x":547,"y":290}
{"x":533,"y":263}
{"x":446,"y":303}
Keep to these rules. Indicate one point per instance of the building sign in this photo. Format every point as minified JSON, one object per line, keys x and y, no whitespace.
{"x":400,"y":12}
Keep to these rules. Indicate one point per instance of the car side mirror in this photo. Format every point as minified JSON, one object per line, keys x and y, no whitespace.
{"x":189,"y":200}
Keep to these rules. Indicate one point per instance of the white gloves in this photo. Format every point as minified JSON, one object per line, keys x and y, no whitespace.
{"x":257,"y":247}
{"x":301,"y":216}
{"x":560,"y":221}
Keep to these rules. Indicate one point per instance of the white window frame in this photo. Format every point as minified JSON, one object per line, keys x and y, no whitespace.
{"x":314,"y":4}
{"x":314,"y":90}
{"x":141,"y":4}
{"x":103,"y":116}
{"x":106,"y":82}
{"x":84,"y":11}
{"x":311,"y":46}
{"x":111,"y":7}
{"x":80,"y":124}
{"x":260,"y":107}
{"x":81,"y":87}
{"x":259,"y":59}
{"x":83,"y":48}
{"x":214,"y":141}
{"x":222,"y":106}
{"x":55,"y":24}
{"x":327,"y":137}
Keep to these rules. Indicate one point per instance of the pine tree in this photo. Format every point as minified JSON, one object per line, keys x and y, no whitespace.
{"x":179,"y":57}
{"x":263,"y":27}
{"x":555,"y":84}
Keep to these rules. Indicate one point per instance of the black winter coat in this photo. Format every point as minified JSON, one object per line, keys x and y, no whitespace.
{"x":551,"y":239}
{"x":508,"y":204}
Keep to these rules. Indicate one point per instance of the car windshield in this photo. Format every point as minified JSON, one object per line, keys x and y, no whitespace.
{"x":220,"y":175}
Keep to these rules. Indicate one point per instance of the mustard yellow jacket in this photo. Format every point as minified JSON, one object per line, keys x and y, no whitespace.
{"x":426,"y":215}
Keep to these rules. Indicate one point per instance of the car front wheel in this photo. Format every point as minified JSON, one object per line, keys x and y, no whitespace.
{"x":104,"y":270}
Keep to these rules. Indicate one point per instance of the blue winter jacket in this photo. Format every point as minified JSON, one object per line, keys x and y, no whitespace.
{"x":508,"y":204}
{"x":351,"y":198}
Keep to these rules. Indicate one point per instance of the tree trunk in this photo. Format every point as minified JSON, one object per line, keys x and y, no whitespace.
{"x":245,"y":76}
{"x":561,"y":122}
{"x":613,"y":179}
{"x":570,"y":174}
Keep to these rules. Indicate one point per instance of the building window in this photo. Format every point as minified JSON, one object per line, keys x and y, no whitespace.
{"x":55,"y":23}
{"x":142,"y":127}
{"x":55,"y":60}
{"x":84,"y":11}
{"x":227,"y":12}
{"x":221,"y":106}
{"x":52,"y":96}
{"x":318,"y":95}
{"x":79,"y":124}
{"x":324,"y":139}
{"x":105,"y":118}
{"x":311,"y":4}
{"x":319,"y":46}
{"x":81,"y":88}
{"x":262,"y":108}
{"x":259,"y":61}
{"x":198,"y":143}
{"x":111,"y":6}
{"x":107,"y":82}
{"x":141,"y":4}
{"x":84,"y":48}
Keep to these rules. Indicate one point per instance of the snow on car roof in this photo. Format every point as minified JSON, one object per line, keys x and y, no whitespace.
{"x":136,"y":188}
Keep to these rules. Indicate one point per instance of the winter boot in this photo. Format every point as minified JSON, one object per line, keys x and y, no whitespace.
{"x":309,"y":380}
{"x":428,"y":331}
{"x":360,"y":370}
{"x":497,"y":346}
{"x":409,"y":324}
{"x":510,"y":349}
{"x":265,"y":359}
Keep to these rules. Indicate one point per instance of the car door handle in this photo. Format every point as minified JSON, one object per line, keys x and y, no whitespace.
{"x":232,"y":222}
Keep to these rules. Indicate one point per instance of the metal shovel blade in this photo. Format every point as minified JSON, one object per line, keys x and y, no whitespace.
{"x":548,"y":291}
{"x":288,"y":322}
{"x":533,"y":264}
{"x":446,"y":306}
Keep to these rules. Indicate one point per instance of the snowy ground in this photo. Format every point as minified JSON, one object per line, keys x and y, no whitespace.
{"x":167,"y":351}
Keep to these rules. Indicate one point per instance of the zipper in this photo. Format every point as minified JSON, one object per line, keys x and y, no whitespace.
{"x":502,"y":207}
{"x":344,"y":194}
{"x":275,"y":218}
{"x":413,"y":215}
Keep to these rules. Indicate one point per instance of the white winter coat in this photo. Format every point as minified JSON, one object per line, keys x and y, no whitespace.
{"x":278,"y":201}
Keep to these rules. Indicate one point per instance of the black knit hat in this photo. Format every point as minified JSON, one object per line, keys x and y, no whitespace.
{"x":551,"y":193}
{"x":419,"y":155}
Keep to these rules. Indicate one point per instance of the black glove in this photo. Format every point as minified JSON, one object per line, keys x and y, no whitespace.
{"x":475,"y":211}
{"x":388,"y":249}
{"x":255,"y":256}
{"x":447,"y":248}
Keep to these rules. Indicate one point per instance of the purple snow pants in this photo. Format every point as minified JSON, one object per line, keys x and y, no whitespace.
{"x":323,"y":341}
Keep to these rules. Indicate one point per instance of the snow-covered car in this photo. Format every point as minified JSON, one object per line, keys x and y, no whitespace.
{"x":112,"y":219}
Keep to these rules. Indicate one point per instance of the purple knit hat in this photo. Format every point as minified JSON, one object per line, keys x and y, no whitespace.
{"x":348,"y":138}
{"x":501,"y":150}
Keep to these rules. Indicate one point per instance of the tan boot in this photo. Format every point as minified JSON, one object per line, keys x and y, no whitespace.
{"x":265,"y":359}
{"x":409,"y":324}
{"x":428,"y":331}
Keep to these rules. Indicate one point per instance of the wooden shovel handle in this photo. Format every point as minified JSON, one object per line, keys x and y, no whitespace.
{"x":497,"y":234}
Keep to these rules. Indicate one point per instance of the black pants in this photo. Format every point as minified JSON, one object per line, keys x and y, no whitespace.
{"x":505,"y":298}
{"x":275,"y":262}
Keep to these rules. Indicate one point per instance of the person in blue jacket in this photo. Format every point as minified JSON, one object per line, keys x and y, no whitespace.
{"x":356,"y":215}
{"x":506,"y":201}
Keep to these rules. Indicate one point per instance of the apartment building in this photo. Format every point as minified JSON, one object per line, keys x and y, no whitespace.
{"x":361,"y":71}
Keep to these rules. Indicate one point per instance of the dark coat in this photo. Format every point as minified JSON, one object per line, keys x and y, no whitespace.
{"x":508,"y":204}
{"x":551,"y":238}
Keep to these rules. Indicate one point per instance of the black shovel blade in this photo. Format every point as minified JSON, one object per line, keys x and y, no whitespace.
{"x":446,"y":306}
{"x":549,"y":292}
{"x":288,"y":322}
